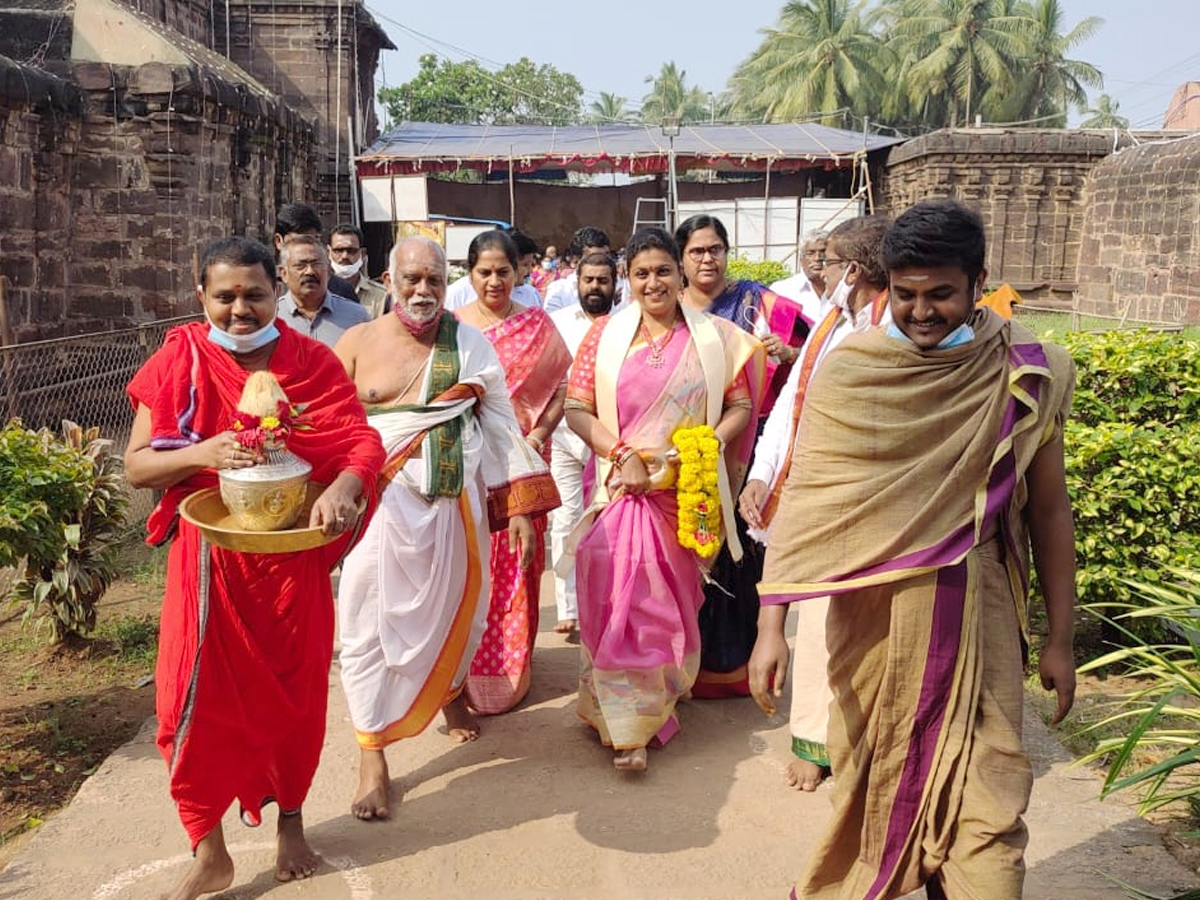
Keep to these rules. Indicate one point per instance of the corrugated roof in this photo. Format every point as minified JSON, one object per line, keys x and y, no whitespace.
{"x":426,"y":146}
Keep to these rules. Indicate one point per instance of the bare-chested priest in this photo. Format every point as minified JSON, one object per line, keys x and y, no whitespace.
{"x":413,"y":597}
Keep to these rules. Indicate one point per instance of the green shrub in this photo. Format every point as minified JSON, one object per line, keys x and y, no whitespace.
{"x":42,"y":483}
{"x":767,"y":272}
{"x":1133,"y":463}
{"x":1135,"y":377}
{"x":62,"y":512}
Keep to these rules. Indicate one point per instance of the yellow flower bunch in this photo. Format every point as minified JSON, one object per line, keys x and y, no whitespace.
{"x":697,"y":491}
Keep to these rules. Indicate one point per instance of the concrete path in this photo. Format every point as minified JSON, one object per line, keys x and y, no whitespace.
{"x":534,"y":809}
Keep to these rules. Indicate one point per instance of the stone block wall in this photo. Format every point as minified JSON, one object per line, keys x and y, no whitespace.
{"x":1140,"y":253}
{"x":192,"y":18}
{"x":117,"y":195}
{"x":40,"y":127}
{"x":1028,"y":186}
{"x":323,"y":65}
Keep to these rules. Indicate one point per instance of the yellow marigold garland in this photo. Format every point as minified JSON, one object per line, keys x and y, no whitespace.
{"x":697,"y":491}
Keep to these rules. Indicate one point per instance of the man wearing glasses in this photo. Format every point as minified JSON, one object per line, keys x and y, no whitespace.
{"x":308,"y":306}
{"x":807,"y":287}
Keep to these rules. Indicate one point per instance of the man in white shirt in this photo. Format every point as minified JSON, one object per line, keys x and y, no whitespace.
{"x":807,"y":287}
{"x":461,"y":292}
{"x":565,"y":291}
{"x":856,"y":283}
{"x":569,"y":455}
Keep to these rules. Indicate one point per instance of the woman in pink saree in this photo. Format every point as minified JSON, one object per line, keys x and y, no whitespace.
{"x":639,"y":376}
{"x":535,"y":362}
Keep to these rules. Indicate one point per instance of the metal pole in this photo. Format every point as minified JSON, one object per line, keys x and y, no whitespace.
{"x":672,"y":189}
{"x":6,"y":340}
{"x":355,"y":209}
{"x":512,"y":191}
{"x":767,"y":208}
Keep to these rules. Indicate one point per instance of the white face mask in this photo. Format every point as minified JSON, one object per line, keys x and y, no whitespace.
{"x":840,"y":295}
{"x":347,"y":271}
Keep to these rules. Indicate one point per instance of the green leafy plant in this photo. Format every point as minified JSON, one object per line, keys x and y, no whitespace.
{"x":43,"y":483}
{"x":62,"y":524}
{"x":1161,"y":719}
{"x":766,"y":271}
{"x":1157,"y":742}
{"x":1132,"y":453}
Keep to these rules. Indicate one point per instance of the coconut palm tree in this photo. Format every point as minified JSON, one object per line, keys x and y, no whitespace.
{"x":670,"y":96}
{"x":1050,"y":83}
{"x":1104,"y":114}
{"x":820,"y":57}
{"x":958,"y":52}
{"x":608,"y":110}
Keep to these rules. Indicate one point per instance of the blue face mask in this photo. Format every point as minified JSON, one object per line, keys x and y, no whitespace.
{"x":243,"y":343}
{"x":963,"y":334}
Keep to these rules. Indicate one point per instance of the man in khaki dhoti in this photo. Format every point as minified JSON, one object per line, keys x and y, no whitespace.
{"x":928,"y":465}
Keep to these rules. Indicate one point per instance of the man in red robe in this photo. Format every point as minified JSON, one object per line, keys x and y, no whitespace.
{"x":245,"y":639}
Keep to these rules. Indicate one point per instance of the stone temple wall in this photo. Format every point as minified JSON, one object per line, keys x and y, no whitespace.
{"x":1140,"y":252}
{"x":1027,"y":185}
{"x":119,"y":182}
{"x":40,"y":127}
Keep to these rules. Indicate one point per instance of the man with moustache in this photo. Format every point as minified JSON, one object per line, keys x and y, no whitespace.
{"x":308,"y":306}
{"x":348,"y":259}
{"x":569,"y":455}
{"x":245,"y":639}
{"x":807,"y":287}
{"x":565,"y":291}
{"x":413,"y":596}
{"x":856,"y":301}
{"x":927,"y":473}
{"x":300,"y":218}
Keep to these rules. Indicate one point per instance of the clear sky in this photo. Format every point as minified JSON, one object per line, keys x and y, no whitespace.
{"x":1145,"y":48}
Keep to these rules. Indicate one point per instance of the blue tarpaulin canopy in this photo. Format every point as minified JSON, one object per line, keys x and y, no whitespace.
{"x":637,"y":149}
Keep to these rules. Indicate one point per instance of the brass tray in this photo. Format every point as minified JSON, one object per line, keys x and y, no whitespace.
{"x":207,"y":512}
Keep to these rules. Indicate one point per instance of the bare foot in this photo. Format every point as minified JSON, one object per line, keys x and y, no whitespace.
{"x":804,"y":775}
{"x":294,"y":859}
{"x":566,"y":626}
{"x":630,"y":760}
{"x":460,"y":724}
{"x":374,"y":787}
{"x":212,"y":869}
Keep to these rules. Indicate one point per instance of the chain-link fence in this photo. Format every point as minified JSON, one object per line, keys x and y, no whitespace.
{"x":81,"y":378}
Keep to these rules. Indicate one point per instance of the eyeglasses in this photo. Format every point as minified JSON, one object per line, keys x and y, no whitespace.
{"x":716,"y":251}
{"x":834,"y":261}
{"x":304,"y":265}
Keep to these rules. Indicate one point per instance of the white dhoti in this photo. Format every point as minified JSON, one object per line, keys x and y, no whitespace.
{"x":811,"y":694}
{"x":412,"y":608}
{"x":413,"y":595}
{"x":569,"y":456}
